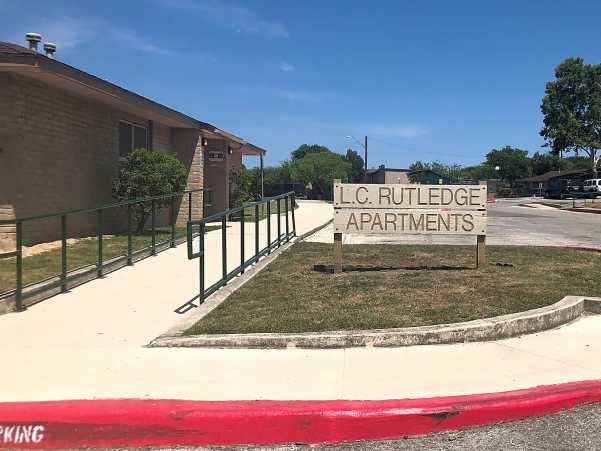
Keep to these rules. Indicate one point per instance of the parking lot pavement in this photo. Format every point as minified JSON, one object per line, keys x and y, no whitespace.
{"x":509,"y":223}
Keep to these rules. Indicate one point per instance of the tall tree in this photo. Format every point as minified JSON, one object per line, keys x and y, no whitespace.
{"x":513,"y":163}
{"x":356,"y":162}
{"x":305,"y":149}
{"x":319,"y":171}
{"x":545,"y":162}
{"x":572,"y":110}
{"x":453,"y":171}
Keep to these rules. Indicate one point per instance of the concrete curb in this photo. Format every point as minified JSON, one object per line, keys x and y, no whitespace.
{"x":222,"y":294}
{"x":595,"y":211}
{"x":147,"y":422}
{"x":568,"y":309}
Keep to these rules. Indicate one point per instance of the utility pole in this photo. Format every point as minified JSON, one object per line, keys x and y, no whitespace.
{"x":262,"y":178}
{"x":365,"y":147}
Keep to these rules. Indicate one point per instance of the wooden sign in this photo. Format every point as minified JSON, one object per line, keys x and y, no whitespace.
{"x":395,"y":209}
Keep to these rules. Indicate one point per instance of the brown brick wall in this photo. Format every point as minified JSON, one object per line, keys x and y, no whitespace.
{"x":59,"y":152}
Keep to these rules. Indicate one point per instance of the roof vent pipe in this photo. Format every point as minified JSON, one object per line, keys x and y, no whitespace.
{"x":50,"y":48}
{"x":33,"y":39}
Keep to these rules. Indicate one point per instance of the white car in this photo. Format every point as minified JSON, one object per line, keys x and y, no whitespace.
{"x":592,"y":187}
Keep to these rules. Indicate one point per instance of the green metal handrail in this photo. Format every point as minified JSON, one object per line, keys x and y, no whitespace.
{"x":99,"y":210}
{"x":290,"y":232}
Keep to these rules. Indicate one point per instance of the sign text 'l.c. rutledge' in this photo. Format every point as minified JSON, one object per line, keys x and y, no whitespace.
{"x":410,"y":209}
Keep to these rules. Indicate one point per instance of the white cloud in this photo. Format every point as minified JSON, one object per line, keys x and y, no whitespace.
{"x":287,"y":67}
{"x":231,"y":15}
{"x":69,"y":32}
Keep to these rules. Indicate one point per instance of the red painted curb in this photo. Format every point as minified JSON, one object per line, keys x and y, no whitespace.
{"x":135,"y":422}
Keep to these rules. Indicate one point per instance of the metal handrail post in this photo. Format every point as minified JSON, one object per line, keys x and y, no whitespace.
{"x":100,"y":259}
{"x":269,"y":227}
{"x":224,"y":249}
{"x":172,"y":207}
{"x":201,"y":268}
{"x":278,"y":209}
{"x":257,"y":233}
{"x":242,"y":259}
{"x":152,"y":228}
{"x":293,"y":220}
{"x":129,"y":241}
{"x":19,"y":249}
{"x":287,"y":222}
{"x":63,"y":253}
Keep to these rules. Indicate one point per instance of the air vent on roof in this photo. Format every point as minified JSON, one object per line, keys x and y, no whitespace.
{"x":33,"y":39}
{"x":49,"y":48}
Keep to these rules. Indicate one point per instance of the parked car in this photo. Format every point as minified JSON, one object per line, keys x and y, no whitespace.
{"x":563,"y":189}
{"x":591,"y":188}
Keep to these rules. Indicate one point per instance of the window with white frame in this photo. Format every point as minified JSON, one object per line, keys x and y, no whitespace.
{"x":131,"y":137}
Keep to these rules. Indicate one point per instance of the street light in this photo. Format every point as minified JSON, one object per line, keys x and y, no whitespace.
{"x":364,"y":148}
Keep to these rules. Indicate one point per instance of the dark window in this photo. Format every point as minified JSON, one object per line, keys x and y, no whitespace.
{"x":125,"y":139}
{"x":140,"y":138}
{"x":131,"y":137}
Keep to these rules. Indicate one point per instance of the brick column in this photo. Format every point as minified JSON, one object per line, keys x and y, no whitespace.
{"x":188,"y":145}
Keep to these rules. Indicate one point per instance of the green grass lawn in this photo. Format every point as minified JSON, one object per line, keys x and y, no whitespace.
{"x":85,"y":252}
{"x":290,"y":296}
{"x":595,"y":204}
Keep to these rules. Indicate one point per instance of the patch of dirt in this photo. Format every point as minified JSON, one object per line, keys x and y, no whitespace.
{"x":28,"y":251}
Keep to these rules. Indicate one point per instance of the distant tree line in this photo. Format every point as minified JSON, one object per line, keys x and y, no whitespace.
{"x":512,"y":163}
{"x":313,"y":165}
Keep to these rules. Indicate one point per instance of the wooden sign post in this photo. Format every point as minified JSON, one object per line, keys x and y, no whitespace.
{"x":409,"y":209}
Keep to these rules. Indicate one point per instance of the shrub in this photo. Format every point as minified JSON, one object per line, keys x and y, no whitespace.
{"x":149,"y":173}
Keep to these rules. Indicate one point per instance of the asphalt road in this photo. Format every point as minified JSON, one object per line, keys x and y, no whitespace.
{"x":570,"y":430}
{"x":510,"y":220}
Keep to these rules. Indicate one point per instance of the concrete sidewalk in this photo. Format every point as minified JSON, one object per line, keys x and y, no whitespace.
{"x":562,"y":355}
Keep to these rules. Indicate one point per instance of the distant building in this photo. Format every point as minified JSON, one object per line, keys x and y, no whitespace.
{"x":539,"y":185}
{"x":388,"y":175}
{"x":402,"y":176}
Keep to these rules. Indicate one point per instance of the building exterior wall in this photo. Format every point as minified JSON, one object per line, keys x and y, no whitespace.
{"x":161,"y":138}
{"x":396,"y":177}
{"x":383,"y":175}
{"x":216,"y":175}
{"x":59,"y":151}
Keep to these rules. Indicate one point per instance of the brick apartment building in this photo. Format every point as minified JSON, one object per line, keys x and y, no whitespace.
{"x":64,"y":132}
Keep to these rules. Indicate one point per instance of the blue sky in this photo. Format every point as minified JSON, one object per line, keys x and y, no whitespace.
{"x":431,"y":80}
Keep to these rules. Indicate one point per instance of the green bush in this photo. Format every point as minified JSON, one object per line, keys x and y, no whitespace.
{"x":149,"y":173}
